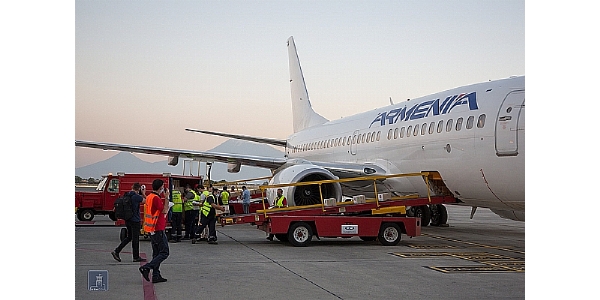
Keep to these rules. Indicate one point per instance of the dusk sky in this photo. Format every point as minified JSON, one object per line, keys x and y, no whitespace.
{"x":146,"y":70}
{"x":139,"y":72}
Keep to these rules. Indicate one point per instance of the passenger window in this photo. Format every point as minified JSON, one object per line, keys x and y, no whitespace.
{"x":378,"y":134}
{"x":390,"y":134}
{"x":368,"y":137}
{"x":459,"y":124}
{"x":423,"y":128}
{"x":396,"y":133}
{"x":416,"y":130}
{"x":470,"y":122}
{"x":362,"y":139}
{"x":431,"y":127}
{"x":481,"y":121}
{"x":408,"y":131}
{"x":449,"y":125}
{"x":402,"y":132}
{"x":440,"y":126}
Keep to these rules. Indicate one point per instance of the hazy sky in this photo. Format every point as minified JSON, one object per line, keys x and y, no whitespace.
{"x":145,"y":70}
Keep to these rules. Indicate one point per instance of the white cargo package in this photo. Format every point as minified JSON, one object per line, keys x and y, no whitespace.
{"x":384,"y":196}
{"x":359,"y":199}
{"x":329,"y":202}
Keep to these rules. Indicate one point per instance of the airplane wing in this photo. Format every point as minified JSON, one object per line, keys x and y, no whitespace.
{"x":340,"y":169}
{"x":274,"y":142}
{"x":248,"y":160}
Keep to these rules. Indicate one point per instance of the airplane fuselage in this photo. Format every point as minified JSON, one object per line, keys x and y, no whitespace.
{"x":474,"y":136}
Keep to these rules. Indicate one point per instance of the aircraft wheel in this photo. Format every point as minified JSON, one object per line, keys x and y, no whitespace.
{"x":390,"y":234}
{"x":300,"y":234}
{"x":85,"y":215}
{"x":439,"y":215}
{"x":424,"y":213}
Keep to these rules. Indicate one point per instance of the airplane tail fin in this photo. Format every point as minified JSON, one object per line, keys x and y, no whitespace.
{"x":303,"y":114}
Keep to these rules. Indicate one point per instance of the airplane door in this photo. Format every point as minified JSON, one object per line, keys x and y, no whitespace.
{"x":353,"y":143}
{"x":507,"y":124}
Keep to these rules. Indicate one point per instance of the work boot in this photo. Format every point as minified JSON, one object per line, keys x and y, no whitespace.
{"x":115,"y":255}
{"x":145,"y":272}
{"x":159,"y":279}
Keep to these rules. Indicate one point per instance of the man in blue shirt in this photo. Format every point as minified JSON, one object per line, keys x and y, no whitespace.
{"x":133,"y":224}
{"x":246,"y":200}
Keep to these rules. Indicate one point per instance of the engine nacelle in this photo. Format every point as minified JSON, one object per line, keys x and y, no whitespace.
{"x":308,"y":194}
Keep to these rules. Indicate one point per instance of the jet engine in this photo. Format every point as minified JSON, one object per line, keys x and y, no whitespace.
{"x":305,"y":194}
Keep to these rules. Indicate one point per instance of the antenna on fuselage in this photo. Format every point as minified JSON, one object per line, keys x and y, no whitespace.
{"x":391,"y":102}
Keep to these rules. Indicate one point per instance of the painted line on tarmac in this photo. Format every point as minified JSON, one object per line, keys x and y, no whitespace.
{"x":472,"y":243}
{"x":148,"y":286}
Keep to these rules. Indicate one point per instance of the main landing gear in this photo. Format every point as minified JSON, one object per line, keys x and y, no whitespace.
{"x":434,"y":214}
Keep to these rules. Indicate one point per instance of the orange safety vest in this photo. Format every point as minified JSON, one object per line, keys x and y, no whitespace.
{"x":150,"y":218}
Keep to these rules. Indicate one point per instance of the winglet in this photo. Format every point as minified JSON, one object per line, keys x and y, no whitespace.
{"x":303,"y":114}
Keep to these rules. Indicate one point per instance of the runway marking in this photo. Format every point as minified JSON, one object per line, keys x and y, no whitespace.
{"x":471,"y":269}
{"x":421,"y":254}
{"x":490,"y":262}
{"x":473,"y":244}
{"x":432,"y":246}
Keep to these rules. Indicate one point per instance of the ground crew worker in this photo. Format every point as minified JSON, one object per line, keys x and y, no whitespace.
{"x":177,"y":215}
{"x":190,"y":214}
{"x":225,"y":200}
{"x":279,"y":202}
{"x":208,"y":216}
{"x":203,"y":194}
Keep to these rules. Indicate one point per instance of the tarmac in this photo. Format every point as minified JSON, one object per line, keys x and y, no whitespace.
{"x":479,"y":258}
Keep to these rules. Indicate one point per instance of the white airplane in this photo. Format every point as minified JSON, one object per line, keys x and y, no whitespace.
{"x":472,"y":138}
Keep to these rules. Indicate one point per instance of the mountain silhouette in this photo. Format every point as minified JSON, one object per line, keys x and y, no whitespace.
{"x":129,"y":163}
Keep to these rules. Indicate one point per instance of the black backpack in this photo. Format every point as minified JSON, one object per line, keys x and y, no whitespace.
{"x":123,"y":207}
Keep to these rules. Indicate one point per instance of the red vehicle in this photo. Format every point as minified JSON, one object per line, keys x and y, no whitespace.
{"x":101,"y":201}
{"x":371,"y":220}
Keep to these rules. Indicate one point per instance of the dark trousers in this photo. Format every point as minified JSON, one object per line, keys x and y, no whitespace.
{"x":190,"y":222}
{"x":176,"y":225}
{"x":133,"y":236}
{"x":211,"y":222}
{"x":160,"y":252}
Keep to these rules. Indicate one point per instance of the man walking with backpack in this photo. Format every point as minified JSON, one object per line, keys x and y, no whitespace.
{"x":132,"y":223}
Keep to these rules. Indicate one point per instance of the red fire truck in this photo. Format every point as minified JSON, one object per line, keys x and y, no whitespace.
{"x":101,"y":201}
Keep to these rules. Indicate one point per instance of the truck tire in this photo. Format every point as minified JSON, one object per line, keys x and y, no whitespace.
{"x":390,"y":234}
{"x":300,"y":234}
{"x":439,"y":215}
{"x":85,"y":215}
